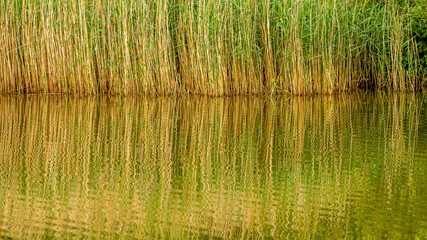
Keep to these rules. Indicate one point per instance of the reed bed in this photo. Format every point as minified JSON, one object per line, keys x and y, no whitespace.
{"x":232,"y":169}
{"x":205,"y":47}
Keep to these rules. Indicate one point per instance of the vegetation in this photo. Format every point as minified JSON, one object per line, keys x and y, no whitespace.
{"x":206,"y":47}
{"x":419,"y":15}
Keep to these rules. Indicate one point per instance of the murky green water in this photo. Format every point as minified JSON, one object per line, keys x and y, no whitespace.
{"x":233,"y":168}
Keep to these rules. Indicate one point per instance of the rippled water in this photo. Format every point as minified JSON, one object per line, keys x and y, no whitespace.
{"x":232,"y":168}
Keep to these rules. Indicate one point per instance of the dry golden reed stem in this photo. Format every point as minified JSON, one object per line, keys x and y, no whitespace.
{"x":204,"y":47}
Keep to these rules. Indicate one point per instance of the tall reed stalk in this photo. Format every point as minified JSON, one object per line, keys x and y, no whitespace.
{"x":205,"y":46}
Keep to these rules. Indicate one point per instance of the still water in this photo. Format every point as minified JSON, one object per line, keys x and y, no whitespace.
{"x":233,"y":168}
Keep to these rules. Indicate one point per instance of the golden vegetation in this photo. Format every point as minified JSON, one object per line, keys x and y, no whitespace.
{"x":204,"y":47}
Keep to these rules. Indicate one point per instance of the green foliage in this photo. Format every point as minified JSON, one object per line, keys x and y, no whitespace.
{"x":208,"y":47}
{"x":419,"y":16}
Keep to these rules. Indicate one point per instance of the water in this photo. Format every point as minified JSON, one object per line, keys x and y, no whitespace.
{"x":234,"y":168}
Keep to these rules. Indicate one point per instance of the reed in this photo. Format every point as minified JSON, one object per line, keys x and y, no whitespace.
{"x":205,"y":47}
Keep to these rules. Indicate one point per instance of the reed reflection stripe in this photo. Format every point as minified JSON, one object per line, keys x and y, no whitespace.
{"x":232,"y":168}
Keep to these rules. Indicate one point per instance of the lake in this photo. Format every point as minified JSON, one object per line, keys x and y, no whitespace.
{"x":344,"y":166}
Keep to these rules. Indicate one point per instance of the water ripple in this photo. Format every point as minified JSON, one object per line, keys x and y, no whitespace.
{"x":231,"y":168}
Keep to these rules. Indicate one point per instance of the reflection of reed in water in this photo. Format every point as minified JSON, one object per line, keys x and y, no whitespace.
{"x":230,"y":168}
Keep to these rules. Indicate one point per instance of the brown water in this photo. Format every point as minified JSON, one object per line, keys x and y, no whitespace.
{"x":232,"y":168}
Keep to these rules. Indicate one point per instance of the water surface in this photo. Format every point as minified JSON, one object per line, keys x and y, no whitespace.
{"x":233,"y":168}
